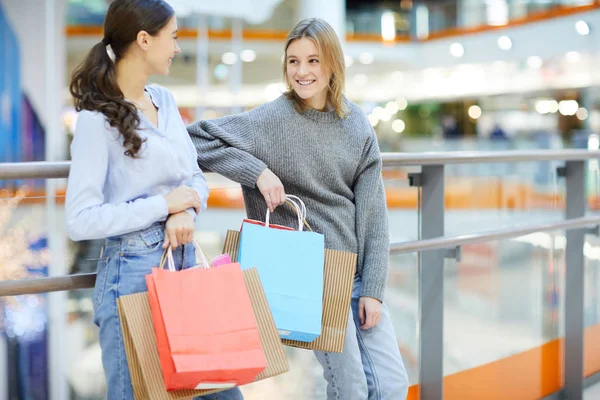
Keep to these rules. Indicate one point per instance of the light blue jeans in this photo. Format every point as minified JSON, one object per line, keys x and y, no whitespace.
{"x":370,"y":368}
{"x":122,"y":270}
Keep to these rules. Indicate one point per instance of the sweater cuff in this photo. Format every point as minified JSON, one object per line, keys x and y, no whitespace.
{"x":374,"y":289}
{"x":251,"y":172}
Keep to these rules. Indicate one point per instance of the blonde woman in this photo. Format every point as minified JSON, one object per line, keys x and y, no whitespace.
{"x":314,"y":143}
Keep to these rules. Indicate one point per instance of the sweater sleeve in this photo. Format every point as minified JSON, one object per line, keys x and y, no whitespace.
{"x":227,"y":146}
{"x":372,"y":221}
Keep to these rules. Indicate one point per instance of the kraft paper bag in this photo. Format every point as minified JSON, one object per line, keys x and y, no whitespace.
{"x":142,"y":353}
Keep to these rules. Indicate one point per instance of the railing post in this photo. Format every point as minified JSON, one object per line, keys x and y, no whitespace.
{"x":4,"y":368}
{"x":574,"y":288}
{"x":57,"y":243}
{"x":431,"y":286}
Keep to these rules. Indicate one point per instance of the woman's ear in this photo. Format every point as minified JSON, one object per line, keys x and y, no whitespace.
{"x":143,"y":40}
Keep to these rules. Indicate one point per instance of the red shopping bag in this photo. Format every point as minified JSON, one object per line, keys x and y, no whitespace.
{"x":206,"y":331}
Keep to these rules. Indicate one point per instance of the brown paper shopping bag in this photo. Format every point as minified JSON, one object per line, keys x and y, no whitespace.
{"x":339,"y":272}
{"x":142,"y":353}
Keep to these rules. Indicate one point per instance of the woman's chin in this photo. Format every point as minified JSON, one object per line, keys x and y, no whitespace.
{"x":304,"y":94}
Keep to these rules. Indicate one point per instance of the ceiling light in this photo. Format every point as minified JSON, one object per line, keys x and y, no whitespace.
{"x":366,"y":58}
{"x":505,"y":43}
{"x":248,"y":55}
{"x":475,"y":112}
{"x":582,"y":28}
{"x":535,"y":62}
{"x":229,"y":58}
{"x":457,"y":50}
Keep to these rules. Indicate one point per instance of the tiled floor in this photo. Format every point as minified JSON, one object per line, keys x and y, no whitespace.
{"x":303,"y":382}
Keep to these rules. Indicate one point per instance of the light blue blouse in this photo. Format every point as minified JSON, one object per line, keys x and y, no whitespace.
{"x":109,"y":193}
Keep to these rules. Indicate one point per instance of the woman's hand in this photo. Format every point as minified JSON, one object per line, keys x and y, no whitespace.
{"x":179,"y":230}
{"x":182,"y":198}
{"x":369,"y":312}
{"x":271,"y":188}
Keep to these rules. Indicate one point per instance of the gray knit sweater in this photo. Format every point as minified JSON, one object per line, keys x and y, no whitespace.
{"x":332,"y":164}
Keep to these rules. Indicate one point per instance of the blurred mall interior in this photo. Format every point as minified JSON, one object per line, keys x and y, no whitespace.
{"x":432,"y":76}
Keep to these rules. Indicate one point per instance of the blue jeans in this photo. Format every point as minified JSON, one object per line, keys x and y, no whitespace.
{"x":370,"y":366}
{"x":122,"y":270}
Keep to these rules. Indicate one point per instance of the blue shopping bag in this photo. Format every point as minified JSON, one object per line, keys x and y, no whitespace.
{"x":290,"y":265}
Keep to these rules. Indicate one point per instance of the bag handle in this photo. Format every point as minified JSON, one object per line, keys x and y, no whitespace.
{"x":201,"y":260}
{"x":299,"y":208}
{"x":168,"y":257}
{"x":295,"y":200}
{"x":294,"y":205}
{"x":296,"y":209}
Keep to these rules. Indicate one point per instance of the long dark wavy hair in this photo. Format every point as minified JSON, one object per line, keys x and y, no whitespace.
{"x":94,"y":83}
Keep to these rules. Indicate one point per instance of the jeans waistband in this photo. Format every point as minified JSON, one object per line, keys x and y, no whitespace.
{"x":152,"y":234}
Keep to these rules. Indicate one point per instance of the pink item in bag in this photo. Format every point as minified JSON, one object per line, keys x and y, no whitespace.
{"x":223,"y":259}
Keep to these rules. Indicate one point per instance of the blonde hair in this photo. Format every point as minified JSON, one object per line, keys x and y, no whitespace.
{"x":330,"y":52}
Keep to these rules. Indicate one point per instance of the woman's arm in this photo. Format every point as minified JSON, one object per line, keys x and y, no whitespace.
{"x":226,"y":146}
{"x":88,"y":216}
{"x":372,"y":221}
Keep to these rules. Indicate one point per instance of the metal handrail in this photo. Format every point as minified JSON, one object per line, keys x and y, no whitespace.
{"x":46,"y":285}
{"x":35,"y":170}
{"x":85,"y":281}
{"x":483,"y":157}
{"x":60,"y":169}
{"x":449,"y":242}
